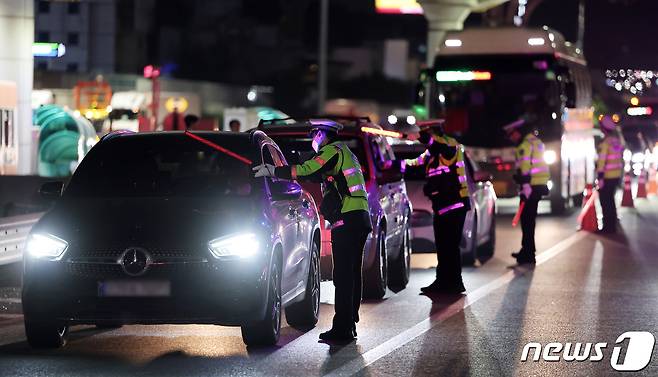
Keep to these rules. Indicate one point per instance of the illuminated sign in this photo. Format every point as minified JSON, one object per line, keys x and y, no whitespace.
{"x":639,"y":111}
{"x":398,"y":7}
{"x":447,"y":76}
{"x":48,"y":50}
{"x":179,"y":104}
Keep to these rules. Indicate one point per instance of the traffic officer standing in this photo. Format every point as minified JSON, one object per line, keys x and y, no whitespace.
{"x":345,"y":206}
{"x":447,"y":189}
{"x":609,"y":170}
{"x":532,"y":175}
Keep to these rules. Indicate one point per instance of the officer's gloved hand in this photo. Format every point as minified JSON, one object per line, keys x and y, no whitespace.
{"x":526,"y":190}
{"x":264,"y":170}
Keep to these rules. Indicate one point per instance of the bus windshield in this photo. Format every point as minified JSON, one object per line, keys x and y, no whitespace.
{"x":476,"y":110}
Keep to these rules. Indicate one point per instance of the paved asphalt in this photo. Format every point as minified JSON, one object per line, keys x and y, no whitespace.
{"x":585,"y":288}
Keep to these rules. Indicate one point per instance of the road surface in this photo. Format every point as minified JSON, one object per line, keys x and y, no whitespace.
{"x":585,"y":288}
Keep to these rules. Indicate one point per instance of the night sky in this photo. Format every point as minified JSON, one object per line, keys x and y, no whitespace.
{"x":618,"y":33}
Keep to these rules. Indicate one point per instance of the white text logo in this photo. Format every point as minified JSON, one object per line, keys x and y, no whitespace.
{"x":638,"y":351}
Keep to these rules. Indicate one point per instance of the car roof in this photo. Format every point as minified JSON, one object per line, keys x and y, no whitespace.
{"x":352,"y":126}
{"x":254,"y":136}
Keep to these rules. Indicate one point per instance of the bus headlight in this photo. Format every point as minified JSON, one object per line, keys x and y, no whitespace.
{"x":550,"y":157}
{"x":45,"y":246}
{"x":237,"y":245}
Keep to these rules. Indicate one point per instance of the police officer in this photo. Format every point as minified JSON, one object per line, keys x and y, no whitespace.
{"x":532,"y":176}
{"x":447,"y":189}
{"x":345,"y":206}
{"x":609,"y":170}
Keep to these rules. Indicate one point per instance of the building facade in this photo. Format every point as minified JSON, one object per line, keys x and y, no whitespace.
{"x":86,"y":28}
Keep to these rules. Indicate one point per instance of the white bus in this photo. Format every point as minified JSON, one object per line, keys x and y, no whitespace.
{"x":484,"y":79}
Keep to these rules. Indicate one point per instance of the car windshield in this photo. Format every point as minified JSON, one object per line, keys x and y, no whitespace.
{"x":476,"y":110}
{"x":297,"y":149}
{"x":167,"y":165}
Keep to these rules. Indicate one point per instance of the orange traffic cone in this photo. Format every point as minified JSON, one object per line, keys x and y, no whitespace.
{"x":587,"y":219}
{"x":627,"y":197}
{"x":641,"y":186}
{"x":652,"y":186}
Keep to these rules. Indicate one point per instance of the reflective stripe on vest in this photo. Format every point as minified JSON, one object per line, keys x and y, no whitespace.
{"x":354,"y":194}
{"x":610,"y":161}
{"x":450,"y":208}
{"x":530,"y":160}
{"x":446,"y":164}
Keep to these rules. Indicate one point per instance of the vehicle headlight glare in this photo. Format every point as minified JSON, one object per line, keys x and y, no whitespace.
{"x":45,"y":246}
{"x":550,"y":157}
{"x":240,"y":245}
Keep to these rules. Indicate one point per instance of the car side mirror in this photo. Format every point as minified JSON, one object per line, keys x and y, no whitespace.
{"x":285,"y":190}
{"x":482,"y":176}
{"x":51,"y":190}
{"x":391,"y":173}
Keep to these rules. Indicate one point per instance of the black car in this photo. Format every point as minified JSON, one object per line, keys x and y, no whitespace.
{"x":173,"y":228}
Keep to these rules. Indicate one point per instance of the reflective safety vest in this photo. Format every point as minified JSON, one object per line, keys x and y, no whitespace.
{"x":446,"y":186}
{"x":530,"y":163}
{"x":346,"y":175}
{"x":610,"y":163}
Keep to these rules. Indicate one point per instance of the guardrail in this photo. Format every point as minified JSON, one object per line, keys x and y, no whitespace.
{"x":13,"y":232}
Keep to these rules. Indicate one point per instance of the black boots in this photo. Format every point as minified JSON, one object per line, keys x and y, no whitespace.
{"x":436,"y":287}
{"x":338,"y":335}
{"x":524,"y":258}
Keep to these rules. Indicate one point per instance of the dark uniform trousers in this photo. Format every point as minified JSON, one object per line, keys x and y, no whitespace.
{"x":529,"y":221}
{"x":607,"y":198}
{"x":448,"y":229}
{"x":348,"y":241}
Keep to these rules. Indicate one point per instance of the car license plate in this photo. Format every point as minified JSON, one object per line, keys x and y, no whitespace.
{"x":129,"y":288}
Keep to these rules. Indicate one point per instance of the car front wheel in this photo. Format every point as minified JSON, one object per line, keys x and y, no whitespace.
{"x":43,"y":333}
{"x":376,"y":277}
{"x":401,"y":267}
{"x":304,"y":314}
{"x":266,"y":331}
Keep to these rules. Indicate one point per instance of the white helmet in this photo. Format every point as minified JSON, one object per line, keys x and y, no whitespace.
{"x":607,"y":124}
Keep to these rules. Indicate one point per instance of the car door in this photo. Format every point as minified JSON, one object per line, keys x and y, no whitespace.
{"x":304,"y":220}
{"x":285,"y":218}
{"x":479,"y":199}
{"x":389,"y":195}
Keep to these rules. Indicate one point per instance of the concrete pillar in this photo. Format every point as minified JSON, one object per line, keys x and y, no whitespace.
{"x":17,"y":65}
{"x":443,"y":16}
{"x":446,"y":15}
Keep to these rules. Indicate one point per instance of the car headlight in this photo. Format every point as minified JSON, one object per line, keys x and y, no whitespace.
{"x":550,"y":157}
{"x":45,"y":246}
{"x":238,"y":245}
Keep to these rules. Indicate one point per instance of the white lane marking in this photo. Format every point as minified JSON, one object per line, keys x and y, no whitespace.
{"x":386,"y":348}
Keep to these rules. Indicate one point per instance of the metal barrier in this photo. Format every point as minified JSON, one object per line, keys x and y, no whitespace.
{"x":13,"y":232}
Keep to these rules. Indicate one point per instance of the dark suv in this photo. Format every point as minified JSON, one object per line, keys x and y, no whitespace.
{"x":158,"y":228}
{"x":387,"y":254}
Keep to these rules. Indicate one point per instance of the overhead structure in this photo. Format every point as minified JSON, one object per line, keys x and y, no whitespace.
{"x":448,"y":15}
